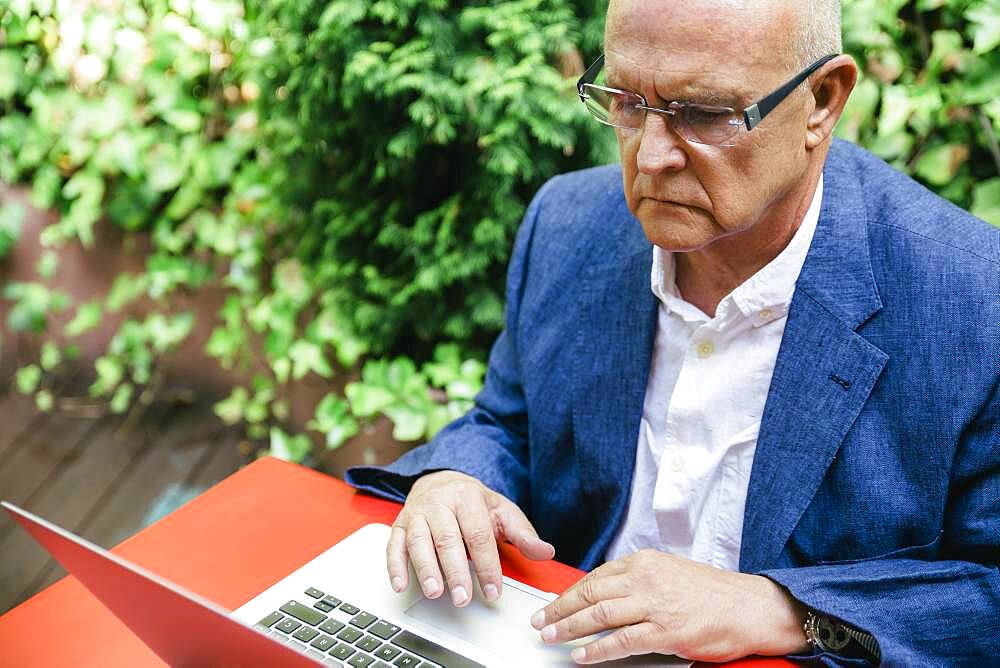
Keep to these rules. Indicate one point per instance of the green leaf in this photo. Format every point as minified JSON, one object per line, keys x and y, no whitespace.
{"x":11,"y":218}
{"x":939,"y":165}
{"x":368,"y":400}
{"x":11,"y":73}
{"x":985,"y":22}
{"x":28,"y":378}
{"x":333,"y":418}
{"x":109,"y":373}
{"x":408,"y":424}
{"x":50,"y":356}
{"x":87,"y":317}
{"x":122,"y":398}
{"x":230,"y":409}
{"x":289,"y":448}
{"x":47,"y":264}
{"x":307,"y":356}
{"x":44,"y":401}
{"x":125,"y":289}
{"x":986,"y":201}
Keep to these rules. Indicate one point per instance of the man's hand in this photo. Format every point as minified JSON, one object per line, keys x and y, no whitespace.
{"x":446,"y":513}
{"x":656,"y":602}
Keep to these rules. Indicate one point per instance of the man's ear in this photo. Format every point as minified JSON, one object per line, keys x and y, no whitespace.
{"x":831,"y":86}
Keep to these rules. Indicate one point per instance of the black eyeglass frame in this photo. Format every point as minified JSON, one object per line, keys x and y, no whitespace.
{"x":752,"y":115}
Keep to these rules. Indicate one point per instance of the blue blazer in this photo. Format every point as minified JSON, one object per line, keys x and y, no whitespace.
{"x":875,"y":490}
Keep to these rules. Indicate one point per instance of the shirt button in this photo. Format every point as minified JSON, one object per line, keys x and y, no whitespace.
{"x":705,"y":349}
{"x":765,"y":314}
{"x":677,"y":464}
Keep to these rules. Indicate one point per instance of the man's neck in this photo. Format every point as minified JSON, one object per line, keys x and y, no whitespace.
{"x":705,"y":276}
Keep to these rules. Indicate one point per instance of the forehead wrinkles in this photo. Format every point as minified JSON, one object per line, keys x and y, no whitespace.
{"x":703,"y":33}
{"x":672,"y":79}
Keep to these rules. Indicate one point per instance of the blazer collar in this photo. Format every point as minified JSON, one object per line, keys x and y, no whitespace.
{"x":824,"y":373}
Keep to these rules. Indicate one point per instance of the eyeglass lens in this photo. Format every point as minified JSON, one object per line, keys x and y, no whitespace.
{"x":698,"y":123}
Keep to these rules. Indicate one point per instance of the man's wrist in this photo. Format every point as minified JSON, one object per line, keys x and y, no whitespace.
{"x":782,"y":618}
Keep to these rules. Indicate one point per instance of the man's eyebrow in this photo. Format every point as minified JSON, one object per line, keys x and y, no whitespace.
{"x":693,"y":94}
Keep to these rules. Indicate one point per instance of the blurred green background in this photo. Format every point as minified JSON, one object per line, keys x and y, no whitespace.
{"x":346,"y":179}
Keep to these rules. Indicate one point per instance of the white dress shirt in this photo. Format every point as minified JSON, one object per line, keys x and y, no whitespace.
{"x":708,"y":382}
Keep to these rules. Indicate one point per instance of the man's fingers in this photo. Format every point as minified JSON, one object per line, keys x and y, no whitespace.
{"x":450,"y":548}
{"x":518,"y":530}
{"x":636,"y":639}
{"x":420,"y":547}
{"x":395,"y":558}
{"x":597,"y":586}
{"x":477,"y":530}
{"x":607,"y":614}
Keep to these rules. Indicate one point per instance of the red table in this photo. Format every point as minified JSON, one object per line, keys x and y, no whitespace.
{"x":229,"y":544}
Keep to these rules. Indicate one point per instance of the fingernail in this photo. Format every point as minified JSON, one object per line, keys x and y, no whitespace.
{"x":538,"y":619}
{"x":430,"y":586}
{"x":549,"y":633}
{"x":491,"y":592}
{"x":458,"y":595}
{"x":578,"y":654}
{"x":397,"y":584}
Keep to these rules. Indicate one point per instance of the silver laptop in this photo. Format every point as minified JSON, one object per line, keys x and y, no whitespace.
{"x":337,"y":610}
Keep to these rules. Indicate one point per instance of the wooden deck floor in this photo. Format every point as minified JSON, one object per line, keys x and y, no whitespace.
{"x":103,"y":478}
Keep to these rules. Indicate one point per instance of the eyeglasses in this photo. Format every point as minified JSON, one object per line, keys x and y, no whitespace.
{"x":698,"y":123}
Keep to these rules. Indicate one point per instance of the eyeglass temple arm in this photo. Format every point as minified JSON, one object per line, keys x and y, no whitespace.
{"x":756,"y":112}
{"x":589,"y":76}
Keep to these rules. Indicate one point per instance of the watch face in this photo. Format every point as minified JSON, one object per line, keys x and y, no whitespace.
{"x":832,"y":636}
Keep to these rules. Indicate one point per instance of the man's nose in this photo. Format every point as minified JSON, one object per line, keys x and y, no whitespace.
{"x":660,"y":147}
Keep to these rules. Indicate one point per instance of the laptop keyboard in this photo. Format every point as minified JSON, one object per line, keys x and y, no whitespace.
{"x":340,"y":634}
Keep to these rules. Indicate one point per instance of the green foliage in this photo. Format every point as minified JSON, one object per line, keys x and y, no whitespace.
{"x":929,"y":99}
{"x":352,"y":175}
{"x":11,"y":217}
{"x":412,"y":135}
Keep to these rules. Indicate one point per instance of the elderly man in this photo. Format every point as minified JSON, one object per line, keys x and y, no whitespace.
{"x":791,"y":444}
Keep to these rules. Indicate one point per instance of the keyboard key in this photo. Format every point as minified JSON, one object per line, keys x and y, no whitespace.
{"x":302,"y":613}
{"x":363,"y":620}
{"x":432,"y":651}
{"x":287,"y":625}
{"x":332,"y":600}
{"x":324,"y":606}
{"x":313,"y":654}
{"x":342,"y":651}
{"x":331,"y":626}
{"x":297,"y":645}
{"x":323,"y":642}
{"x":360,"y":660}
{"x":406,"y":661}
{"x":387,"y":652}
{"x":350,"y":609}
{"x":350,"y":634}
{"x":379,"y":664}
{"x":271,"y":619}
{"x":333,"y":662}
{"x":383,"y":629}
{"x":305,"y":634}
{"x":314,"y":593}
{"x":368,"y":643}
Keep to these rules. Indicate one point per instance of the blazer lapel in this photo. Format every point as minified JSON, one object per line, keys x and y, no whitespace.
{"x":612,"y":356}
{"x":823,"y":375}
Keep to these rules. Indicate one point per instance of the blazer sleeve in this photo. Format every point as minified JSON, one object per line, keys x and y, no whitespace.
{"x":490,"y":442}
{"x":929,"y":605}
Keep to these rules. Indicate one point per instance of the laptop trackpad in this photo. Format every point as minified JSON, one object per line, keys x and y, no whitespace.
{"x":503,"y":628}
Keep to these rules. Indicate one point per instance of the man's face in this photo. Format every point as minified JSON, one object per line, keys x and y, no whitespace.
{"x":689,"y":195}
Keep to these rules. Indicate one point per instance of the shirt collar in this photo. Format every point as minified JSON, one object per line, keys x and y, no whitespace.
{"x":762,"y":298}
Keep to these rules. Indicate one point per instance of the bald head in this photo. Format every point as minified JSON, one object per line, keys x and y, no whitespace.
{"x":798,"y":32}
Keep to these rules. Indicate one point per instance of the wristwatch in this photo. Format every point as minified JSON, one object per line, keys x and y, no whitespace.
{"x":835,"y":637}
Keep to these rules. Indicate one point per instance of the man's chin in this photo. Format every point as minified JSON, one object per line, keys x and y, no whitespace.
{"x":677,"y":234}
